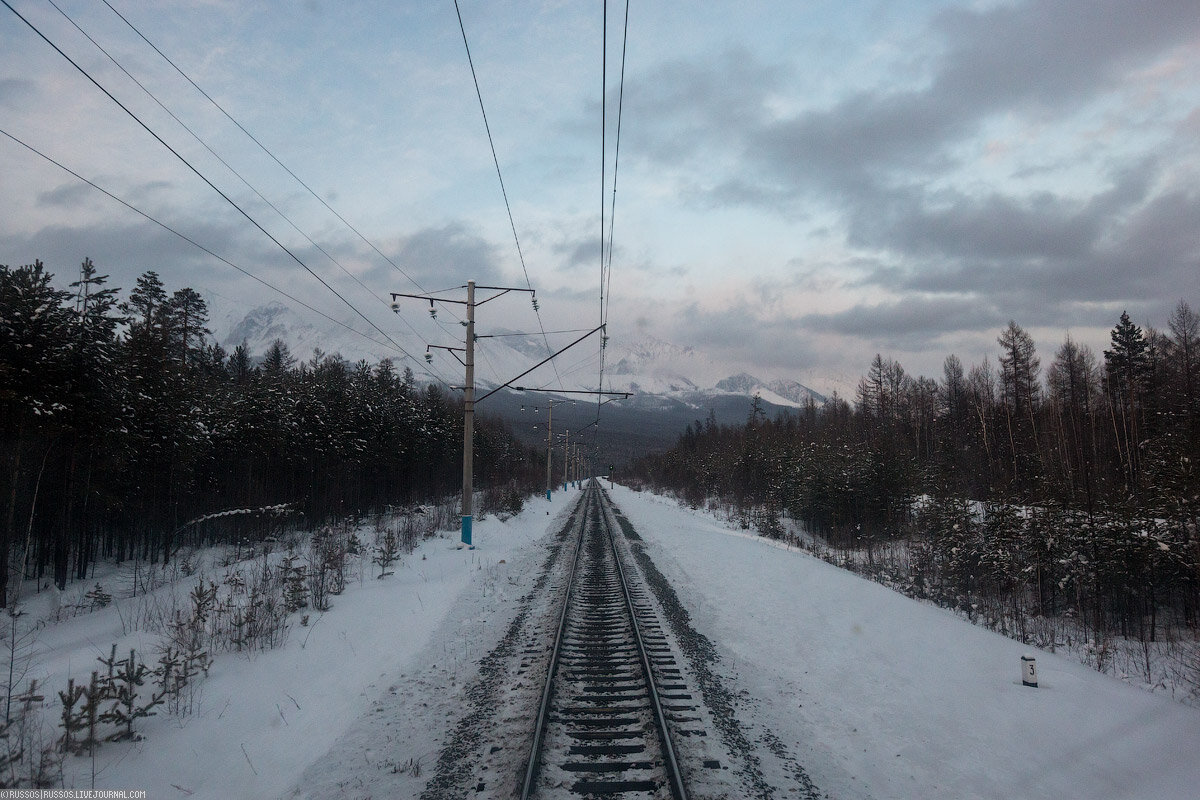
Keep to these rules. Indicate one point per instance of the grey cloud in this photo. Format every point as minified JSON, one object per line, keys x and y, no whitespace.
{"x":16,"y":90}
{"x":843,"y":147}
{"x":912,"y":322}
{"x":579,"y":252}
{"x":1052,"y":52}
{"x":1048,"y":55}
{"x":738,"y":334}
{"x":1049,"y":253}
{"x":734,"y":191}
{"x":76,"y":193}
{"x":995,"y":227}
{"x":447,"y":255}
{"x":1038,"y":55}
{"x":1159,"y":244}
{"x":682,"y":107}
{"x":69,"y":194}
{"x":122,"y":251}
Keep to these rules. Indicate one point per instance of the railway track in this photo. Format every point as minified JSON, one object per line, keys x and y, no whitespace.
{"x":613,"y":692}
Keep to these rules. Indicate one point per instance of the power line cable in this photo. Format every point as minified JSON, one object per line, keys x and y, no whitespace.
{"x":504,"y":192}
{"x":229,"y":167}
{"x":204,"y":249}
{"x":265,"y":149}
{"x":603,"y":143}
{"x":603,"y":176}
{"x":612,"y":218}
{"x":201,"y":175}
{"x":606,"y":263}
{"x":298,"y":180}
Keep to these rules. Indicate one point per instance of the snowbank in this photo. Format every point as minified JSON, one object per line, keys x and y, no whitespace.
{"x":883,"y":696}
{"x":265,"y":716}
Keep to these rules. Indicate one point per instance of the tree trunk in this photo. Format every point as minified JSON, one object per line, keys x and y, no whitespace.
{"x":10,"y":516}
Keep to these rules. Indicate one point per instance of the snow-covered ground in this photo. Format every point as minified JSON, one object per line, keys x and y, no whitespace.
{"x":264,"y":717}
{"x":875,"y":695}
{"x":882,"y":696}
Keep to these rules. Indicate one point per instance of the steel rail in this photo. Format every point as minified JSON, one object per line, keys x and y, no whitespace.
{"x":544,"y":707}
{"x":674,"y":775}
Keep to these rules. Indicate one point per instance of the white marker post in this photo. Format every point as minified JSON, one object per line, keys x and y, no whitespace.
{"x":1029,"y":671}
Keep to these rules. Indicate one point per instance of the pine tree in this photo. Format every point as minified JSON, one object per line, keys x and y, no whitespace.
{"x":145,"y":303}
{"x":1128,"y":366}
{"x":130,"y":674}
{"x":188,"y":314}
{"x":71,"y":721}
{"x":387,"y":551}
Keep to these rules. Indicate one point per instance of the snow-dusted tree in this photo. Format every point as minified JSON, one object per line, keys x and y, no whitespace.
{"x":36,"y":374}
{"x":1073,"y":382}
{"x":1019,"y":389}
{"x":187,"y":315}
{"x":127,"y":678}
{"x":1128,"y":367}
{"x":1184,"y":355}
{"x":387,"y":551}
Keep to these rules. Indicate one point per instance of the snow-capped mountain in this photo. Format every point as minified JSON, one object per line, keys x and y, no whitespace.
{"x":672,"y":386}
{"x":780,"y":392}
{"x":642,"y":366}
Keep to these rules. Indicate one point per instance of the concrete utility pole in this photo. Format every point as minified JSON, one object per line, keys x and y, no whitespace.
{"x":468,"y":485}
{"x":549,"y":438}
{"x":468,"y":361}
{"x":549,"y":447}
{"x":566,"y":457}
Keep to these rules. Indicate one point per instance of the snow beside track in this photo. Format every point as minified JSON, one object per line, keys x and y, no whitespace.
{"x":265,"y":717}
{"x":879,"y":695}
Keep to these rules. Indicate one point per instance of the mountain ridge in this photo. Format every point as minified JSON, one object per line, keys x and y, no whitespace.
{"x":646,"y":365}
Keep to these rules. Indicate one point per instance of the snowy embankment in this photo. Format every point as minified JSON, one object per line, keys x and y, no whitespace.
{"x":883,"y":696}
{"x":262,"y":717}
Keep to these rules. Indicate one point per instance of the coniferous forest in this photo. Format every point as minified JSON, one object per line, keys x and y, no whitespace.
{"x":122,"y":424}
{"x":1012,"y":491}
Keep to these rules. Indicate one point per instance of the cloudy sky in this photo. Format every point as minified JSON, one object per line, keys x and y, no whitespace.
{"x":800,"y":185}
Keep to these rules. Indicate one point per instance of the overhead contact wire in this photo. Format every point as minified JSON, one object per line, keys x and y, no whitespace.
{"x":606,"y":262}
{"x":503,"y":191}
{"x":612,"y":217}
{"x":603,"y":197}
